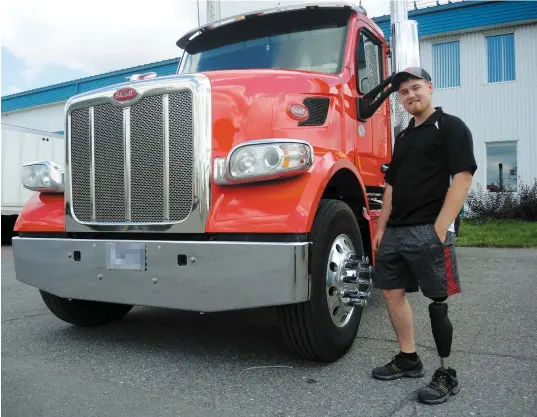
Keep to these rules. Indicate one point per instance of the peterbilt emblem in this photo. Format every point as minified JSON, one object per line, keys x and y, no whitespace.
{"x":125,"y":94}
{"x":298,"y":111}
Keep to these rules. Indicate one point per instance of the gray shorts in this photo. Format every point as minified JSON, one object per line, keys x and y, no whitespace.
{"x":413,"y":257}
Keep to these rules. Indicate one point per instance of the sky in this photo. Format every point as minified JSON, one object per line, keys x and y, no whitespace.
{"x":52,"y":41}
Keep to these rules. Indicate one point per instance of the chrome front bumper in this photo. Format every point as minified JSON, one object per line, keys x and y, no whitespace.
{"x":197,"y":276}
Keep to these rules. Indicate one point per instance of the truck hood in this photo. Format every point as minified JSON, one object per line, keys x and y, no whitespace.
{"x":252,"y":104}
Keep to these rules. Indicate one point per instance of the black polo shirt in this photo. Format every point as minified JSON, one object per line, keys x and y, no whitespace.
{"x":424,"y":160}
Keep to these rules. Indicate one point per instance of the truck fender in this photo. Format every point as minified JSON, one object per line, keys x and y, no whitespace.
{"x":337,"y":167}
{"x":42,"y":212}
{"x":343,"y":181}
{"x":283,"y":206}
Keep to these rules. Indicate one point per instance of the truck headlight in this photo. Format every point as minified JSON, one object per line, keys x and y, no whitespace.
{"x":263,"y":160}
{"x":43,"y":176}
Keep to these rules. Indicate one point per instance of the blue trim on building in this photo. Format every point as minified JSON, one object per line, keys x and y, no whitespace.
{"x":432,"y":20}
{"x":464,"y":15}
{"x":64,"y":91}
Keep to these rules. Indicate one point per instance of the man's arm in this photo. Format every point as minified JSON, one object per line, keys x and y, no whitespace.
{"x":455,"y":198}
{"x":384,"y":216}
{"x":386,"y":199}
{"x":386,"y":209}
{"x":462,"y":166}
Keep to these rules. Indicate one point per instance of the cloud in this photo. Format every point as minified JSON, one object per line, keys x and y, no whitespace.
{"x":96,"y":36}
{"x":106,"y":35}
{"x":14,"y":89}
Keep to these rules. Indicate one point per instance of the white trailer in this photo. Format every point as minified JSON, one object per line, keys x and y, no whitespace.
{"x":19,"y":146}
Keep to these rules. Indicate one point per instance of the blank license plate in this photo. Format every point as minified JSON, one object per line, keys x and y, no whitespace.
{"x":126,"y":255}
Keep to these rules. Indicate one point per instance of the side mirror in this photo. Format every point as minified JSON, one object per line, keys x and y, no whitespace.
{"x":367,"y":105}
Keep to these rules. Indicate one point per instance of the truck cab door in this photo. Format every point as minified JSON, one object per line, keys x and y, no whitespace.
{"x":372,"y":136}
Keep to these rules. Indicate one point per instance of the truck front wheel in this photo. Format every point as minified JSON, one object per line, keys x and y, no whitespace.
{"x":324,"y":328}
{"x":82,"y":312}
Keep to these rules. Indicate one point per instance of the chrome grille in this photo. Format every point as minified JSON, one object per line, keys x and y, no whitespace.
{"x":80,"y":163}
{"x":181,"y":154}
{"x":147,"y":160}
{"x":109,"y":163}
{"x":142,"y":161}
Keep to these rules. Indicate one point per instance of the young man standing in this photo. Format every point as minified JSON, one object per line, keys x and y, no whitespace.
{"x":427,"y":182}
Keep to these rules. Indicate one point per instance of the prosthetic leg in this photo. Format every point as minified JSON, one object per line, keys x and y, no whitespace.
{"x":444,"y":382}
{"x":442,"y":328}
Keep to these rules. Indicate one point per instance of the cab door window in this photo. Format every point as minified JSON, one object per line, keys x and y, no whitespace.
{"x":368,"y":62}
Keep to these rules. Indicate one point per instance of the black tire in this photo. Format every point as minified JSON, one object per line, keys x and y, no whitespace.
{"x":82,"y":312}
{"x":8,"y":224}
{"x":307,"y":328}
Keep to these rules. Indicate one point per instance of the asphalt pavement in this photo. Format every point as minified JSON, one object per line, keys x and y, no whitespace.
{"x":158,"y":362}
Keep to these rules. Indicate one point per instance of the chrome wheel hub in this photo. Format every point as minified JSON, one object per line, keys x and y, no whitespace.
{"x":347,"y":280}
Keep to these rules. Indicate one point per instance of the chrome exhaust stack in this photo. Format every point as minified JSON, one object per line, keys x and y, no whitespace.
{"x":405,"y":52}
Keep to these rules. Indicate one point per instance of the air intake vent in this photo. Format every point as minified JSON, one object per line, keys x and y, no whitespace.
{"x":318,"y":110}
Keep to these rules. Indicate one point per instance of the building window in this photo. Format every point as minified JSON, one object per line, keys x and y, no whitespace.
{"x":447,"y":64}
{"x":501,"y":58}
{"x":501,"y":166}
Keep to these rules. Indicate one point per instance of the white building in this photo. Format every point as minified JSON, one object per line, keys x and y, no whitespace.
{"x":486,"y":76}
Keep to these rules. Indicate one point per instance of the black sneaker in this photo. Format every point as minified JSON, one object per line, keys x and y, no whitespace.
{"x":399,"y":367}
{"x":443,"y":384}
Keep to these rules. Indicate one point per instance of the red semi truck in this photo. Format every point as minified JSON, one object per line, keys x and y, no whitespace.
{"x":251,"y":178}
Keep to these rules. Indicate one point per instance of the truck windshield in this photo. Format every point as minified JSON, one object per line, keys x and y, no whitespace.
{"x":311,"y":40}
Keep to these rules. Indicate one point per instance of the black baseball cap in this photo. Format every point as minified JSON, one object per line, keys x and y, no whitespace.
{"x":401,"y":76}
